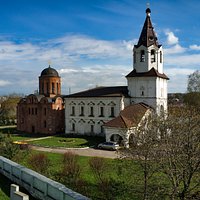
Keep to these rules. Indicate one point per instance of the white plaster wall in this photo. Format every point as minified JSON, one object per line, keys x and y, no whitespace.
{"x":83,"y":123}
{"x":154,"y":91}
{"x":148,"y":65}
{"x":138,"y":84}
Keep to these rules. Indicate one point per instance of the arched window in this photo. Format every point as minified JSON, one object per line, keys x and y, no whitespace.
{"x":47,"y":87}
{"x":91,"y":111}
{"x":160,"y":56}
{"x":153,"y":56}
{"x":142,"y":56}
{"x":92,"y":128}
{"x":112,"y":111}
{"x":57,"y":87}
{"x":53,"y":88}
{"x":73,"y":127}
{"x":42,"y":88}
{"x":73,"y":111}
{"x":82,"y":111}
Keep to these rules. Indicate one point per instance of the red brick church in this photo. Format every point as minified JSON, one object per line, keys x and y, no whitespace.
{"x":43,"y":112}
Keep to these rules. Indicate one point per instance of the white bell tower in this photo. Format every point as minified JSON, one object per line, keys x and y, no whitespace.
{"x":147,"y":83}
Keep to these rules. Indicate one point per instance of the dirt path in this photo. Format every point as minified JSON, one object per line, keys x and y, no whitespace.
{"x":79,"y":151}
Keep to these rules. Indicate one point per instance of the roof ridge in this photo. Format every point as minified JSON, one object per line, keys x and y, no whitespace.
{"x":125,"y":120}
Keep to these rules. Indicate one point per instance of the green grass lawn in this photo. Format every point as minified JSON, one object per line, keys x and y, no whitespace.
{"x":69,"y":141}
{"x":62,"y":140}
{"x":127,"y":176}
{"x":127,"y":183}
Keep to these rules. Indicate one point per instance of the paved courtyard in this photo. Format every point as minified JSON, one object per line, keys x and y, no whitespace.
{"x":79,"y":151}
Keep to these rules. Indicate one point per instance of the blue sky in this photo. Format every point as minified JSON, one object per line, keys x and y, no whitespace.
{"x":90,"y":42}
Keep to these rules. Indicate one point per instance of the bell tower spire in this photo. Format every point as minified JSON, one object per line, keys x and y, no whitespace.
{"x":147,"y":83}
{"x":148,"y":52}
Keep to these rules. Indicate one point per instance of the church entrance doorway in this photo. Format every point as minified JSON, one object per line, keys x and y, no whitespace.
{"x":117,"y":138}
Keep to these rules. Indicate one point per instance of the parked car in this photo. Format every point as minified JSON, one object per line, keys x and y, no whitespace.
{"x":108,"y":145}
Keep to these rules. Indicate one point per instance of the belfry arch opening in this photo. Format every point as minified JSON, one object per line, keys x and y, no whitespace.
{"x":153,"y":56}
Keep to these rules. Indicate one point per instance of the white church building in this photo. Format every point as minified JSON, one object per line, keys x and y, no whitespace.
{"x":114,"y":112}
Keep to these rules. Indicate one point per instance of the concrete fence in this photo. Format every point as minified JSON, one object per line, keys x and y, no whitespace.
{"x":15,"y":194}
{"x":39,"y":186}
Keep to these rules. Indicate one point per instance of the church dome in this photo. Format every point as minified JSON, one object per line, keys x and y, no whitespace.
{"x":49,"y":72}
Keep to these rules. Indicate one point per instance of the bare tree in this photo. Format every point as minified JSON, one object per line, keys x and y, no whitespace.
{"x":180,"y":150}
{"x":169,"y":144}
{"x":40,"y":163}
{"x":143,"y":147}
{"x":71,"y":170}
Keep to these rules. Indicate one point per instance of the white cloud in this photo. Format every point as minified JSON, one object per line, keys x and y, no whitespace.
{"x":171,"y":38}
{"x":81,"y":46}
{"x":176,"y":49}
{"x":194,"y":47}
{"x":89,"y":77}
{"x":4,"y":83}
{"x":189,"y":60}
{"x":84,"y":62}
{"x":67,"y":71}
{"x":179,"y":71}
{"x":178,"y":78}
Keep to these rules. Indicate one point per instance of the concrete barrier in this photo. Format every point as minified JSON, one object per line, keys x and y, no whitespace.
{"x":38,"y":185}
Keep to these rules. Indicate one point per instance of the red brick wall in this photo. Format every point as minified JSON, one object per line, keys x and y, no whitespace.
{"x":40,"y":116}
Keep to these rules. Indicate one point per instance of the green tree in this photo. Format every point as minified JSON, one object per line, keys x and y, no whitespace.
{"x":8,"y":109}
{"x":194,"y":82}
{"x":7,"y":147}
{"x":192,"y":98}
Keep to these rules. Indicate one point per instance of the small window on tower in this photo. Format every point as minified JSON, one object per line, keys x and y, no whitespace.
{"x":47,"y":88}
{"x":53,"y":87}
{"x":142,"y":56}
{"x":160,"y":56}
{"x":42,"y":88}
{"x":153,"y":56}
